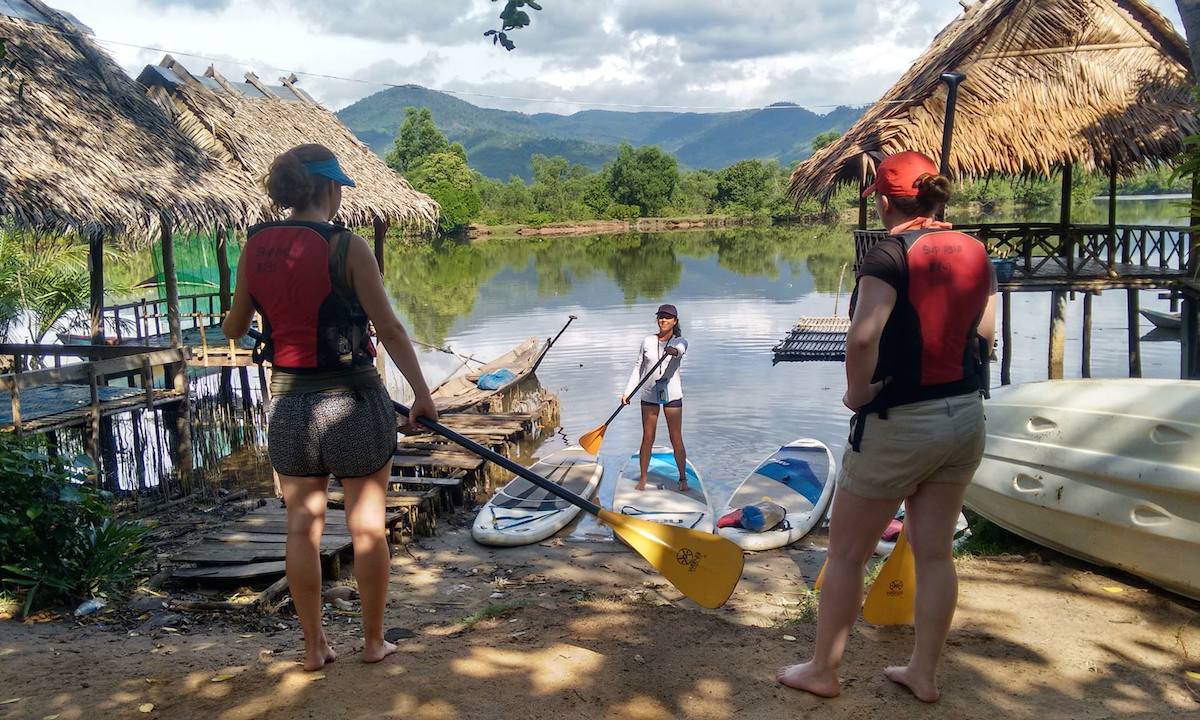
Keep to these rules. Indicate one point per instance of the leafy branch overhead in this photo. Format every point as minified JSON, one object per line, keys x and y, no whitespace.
{"x":512,"y":18}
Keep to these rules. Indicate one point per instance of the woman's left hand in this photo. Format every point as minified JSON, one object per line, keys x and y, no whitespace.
{"x":855,"y":399}
{"x":672,"y":351}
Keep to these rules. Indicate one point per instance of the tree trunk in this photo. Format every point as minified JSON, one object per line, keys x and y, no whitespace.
{"x":1189,"y":10}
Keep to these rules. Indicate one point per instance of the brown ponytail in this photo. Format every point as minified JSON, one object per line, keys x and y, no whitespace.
{"x":289,"y":184}
{"x":933,"y":192}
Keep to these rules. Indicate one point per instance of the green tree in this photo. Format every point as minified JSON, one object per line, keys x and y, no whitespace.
{"x":446,"y":178}
{"x":419,"y":137}
{"x":44,"y":280}
{"x":824,"y":140}
{"x":749,"y":184}
{"x":645,"y":177}
{"x":696,"y":192}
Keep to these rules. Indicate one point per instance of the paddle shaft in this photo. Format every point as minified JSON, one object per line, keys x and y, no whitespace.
{"x":570,"y":319}
{"x":952,"y":80}
{"x":641,"y":382}
{"x":503,"y":462}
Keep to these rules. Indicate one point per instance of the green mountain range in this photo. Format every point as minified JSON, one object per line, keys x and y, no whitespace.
{"x":499,"y":143}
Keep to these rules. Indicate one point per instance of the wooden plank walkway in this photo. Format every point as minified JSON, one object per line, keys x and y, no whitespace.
{"x":52,"y":407}
{"x":253,"y":546}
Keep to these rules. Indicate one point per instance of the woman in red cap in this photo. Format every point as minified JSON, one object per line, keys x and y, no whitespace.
{"x":315,"y":285}
{"x":925,"y":297}
{"x":665,"y":392}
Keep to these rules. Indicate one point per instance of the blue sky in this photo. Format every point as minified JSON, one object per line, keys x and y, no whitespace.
{"x":624,"y":54}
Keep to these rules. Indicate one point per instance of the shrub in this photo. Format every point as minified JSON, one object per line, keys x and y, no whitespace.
{"x":58,"y":541}
{"x":619,"y":211}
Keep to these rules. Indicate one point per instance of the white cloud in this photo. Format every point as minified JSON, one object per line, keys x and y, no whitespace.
{"x":693,"y":53}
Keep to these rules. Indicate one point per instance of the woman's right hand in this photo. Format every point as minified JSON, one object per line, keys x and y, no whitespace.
{"x":421,"y":408}
{"x":624,"y":399}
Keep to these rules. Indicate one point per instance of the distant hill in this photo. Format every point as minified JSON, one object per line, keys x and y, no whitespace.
{"x":499,"y":142}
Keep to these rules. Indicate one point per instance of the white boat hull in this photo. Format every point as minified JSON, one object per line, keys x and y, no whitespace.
{"x":1104,"y":470}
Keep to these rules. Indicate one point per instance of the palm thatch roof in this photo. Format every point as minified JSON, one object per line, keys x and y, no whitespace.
{"x":82,"y":149}
{"x":1095,"y":83}
{"x":247,"y":124}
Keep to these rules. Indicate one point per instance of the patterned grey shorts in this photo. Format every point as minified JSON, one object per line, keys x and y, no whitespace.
{"x":344,"y":433}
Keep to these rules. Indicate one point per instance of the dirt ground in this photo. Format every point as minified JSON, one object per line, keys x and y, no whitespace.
{"x":573,"y":630}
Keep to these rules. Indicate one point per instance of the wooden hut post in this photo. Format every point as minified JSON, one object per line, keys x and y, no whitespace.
{"x":1112,"y":216}
{"x":1006,"y":349}
{"x":1086,"y":369}
{"x":96,"y":282}
{"x":381,"y":228}
{"x":224,"y":279}
{"x":1189,"y":345}
{"x":1058,"y":298}
{"x":177,"y":373}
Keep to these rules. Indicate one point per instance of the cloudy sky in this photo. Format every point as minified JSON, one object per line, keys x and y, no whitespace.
{"x":578,"y":54}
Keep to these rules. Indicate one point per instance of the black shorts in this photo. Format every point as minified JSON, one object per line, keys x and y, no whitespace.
{"x":671,"y":404}
{"x":344,"y":433}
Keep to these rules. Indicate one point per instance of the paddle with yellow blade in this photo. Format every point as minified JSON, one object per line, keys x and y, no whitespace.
{"x":892,"y":595}
{"x":591,"y":441}
{"x":703,"y":566}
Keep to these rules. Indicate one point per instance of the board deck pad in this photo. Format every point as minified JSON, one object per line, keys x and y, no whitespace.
{"x":799,"y":477}
{"x":521,"y":513}
{"x":662,"y":501}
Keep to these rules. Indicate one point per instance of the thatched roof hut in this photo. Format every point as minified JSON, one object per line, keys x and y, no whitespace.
{"x":83,"y":149}
{"x":247,"y":124}
{"x":1095,"y":84}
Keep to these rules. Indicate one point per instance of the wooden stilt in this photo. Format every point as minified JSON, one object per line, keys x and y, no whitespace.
{"x":225,"y":276}
{"x":1086,"y":370}
{"x":177,"y":374}
{"x":1112,"y":216}
{"x":1135,"y":342}
{"x":171,"y":282}
{"x":1006,"y":347}
{"x":1058,"y":326}
{"x":1189,"y":351}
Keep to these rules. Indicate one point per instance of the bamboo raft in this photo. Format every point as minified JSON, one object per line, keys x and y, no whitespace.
{"x":814,"y":339}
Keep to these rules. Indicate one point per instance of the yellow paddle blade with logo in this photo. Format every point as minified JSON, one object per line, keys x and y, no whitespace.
{"x":702,"y":566}
{"x":890,"y":601}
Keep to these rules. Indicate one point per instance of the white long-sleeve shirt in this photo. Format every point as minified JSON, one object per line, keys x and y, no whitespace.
{"x":664,"y":385}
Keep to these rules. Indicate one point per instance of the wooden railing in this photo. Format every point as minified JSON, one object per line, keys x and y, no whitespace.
{"x":100,"y":365}
{"x":148,"y":318}
{"x":1042,"y":248}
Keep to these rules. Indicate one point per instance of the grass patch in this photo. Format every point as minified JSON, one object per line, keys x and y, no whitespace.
{"x":805,"y":613}
{"x":989,"y":539}
{"x":874,"y":565}
{"x":492,"y":611}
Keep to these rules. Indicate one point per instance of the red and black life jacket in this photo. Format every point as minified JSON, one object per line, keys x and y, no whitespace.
{"x":929,"y":346}
{"x":296,"y":275}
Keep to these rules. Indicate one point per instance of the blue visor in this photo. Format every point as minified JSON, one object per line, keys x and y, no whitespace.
{"x":329,"y":169}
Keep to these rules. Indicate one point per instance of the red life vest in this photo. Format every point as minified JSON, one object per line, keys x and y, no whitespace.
{"x":312,"y":321}
{"x":928,"y":348}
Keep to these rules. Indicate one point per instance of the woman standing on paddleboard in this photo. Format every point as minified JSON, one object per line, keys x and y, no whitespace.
{"x":664,"y":391}
{"x":316,"y":285}
{"x":925,"y":296}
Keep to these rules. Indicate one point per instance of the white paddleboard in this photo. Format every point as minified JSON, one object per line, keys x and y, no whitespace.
{"x":522,"y":513}
{"x":799,"y":476}
{"x":662,"y":501}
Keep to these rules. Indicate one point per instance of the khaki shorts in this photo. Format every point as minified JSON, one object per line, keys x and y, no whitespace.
{"x":935,"y":441}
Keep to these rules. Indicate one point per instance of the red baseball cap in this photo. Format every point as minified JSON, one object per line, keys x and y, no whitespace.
{"x":898,"y":174}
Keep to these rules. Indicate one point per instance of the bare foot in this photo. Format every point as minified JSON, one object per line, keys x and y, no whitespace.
{"x":805,"y":677}
{"x":641,"y":486}
{"x":923,"y":690}
{"x":376,"y":651}
{"x":319,"y":655}
{"x":683,"y":486}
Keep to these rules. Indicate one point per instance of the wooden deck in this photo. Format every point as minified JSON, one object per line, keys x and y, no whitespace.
{"x":53,"y":407}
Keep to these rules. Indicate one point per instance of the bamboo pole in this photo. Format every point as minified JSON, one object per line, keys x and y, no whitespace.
{"x":1058,"y":324}
{"x":171,"y":281}
{"x":1006,"y":350}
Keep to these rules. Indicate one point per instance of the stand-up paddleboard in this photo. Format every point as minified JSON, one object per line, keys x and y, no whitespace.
{"x":521,"y":513}
{"x":800,"y":477}
{"x":662,"y":501}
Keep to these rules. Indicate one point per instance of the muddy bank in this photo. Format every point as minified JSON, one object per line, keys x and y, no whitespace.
{"x":565,"y":630}
{"x":610,"y":227}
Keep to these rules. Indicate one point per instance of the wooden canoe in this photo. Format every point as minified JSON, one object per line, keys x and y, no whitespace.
{"x":461,"y":391}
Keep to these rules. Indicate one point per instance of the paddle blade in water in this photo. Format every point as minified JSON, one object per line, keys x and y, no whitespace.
{"x":890,"y":601}
{"x":702,"y":566}
{"x":591,"y":441}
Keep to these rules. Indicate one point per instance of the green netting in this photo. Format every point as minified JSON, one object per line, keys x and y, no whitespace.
{"x":195,"y":265}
